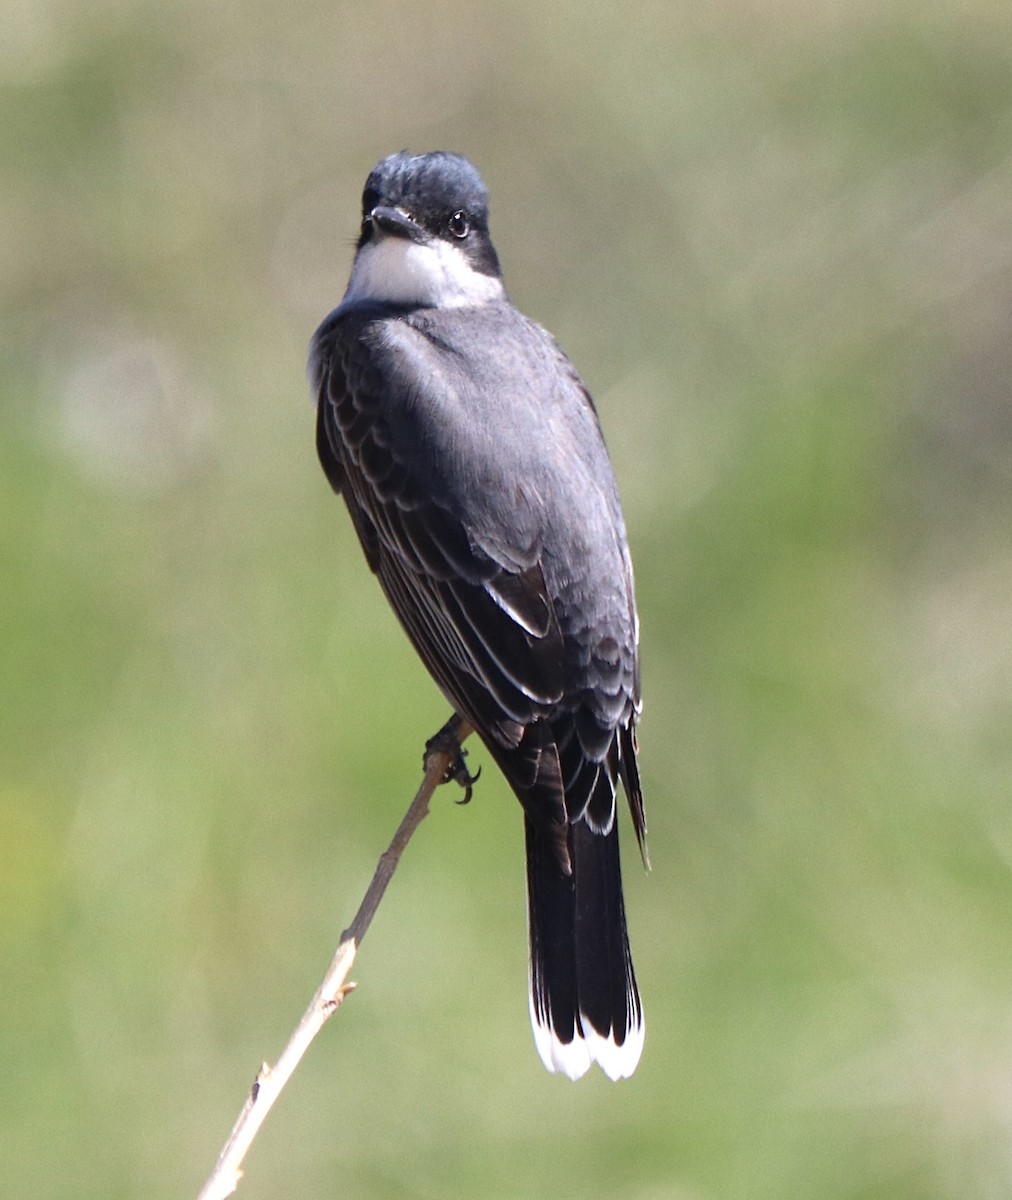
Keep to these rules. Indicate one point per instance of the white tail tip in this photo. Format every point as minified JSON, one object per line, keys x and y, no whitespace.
{"x":588,"y":1046}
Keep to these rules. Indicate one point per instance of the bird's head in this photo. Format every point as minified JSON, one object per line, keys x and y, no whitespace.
{"x":424,"y":239}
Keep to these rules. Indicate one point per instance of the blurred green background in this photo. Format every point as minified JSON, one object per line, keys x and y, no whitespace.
{"x":777,"y":239}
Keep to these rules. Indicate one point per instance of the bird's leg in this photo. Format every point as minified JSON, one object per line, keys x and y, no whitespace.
{"x":448,"y":741}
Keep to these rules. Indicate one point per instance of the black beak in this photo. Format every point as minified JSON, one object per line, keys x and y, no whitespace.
{"x":396,"y":223}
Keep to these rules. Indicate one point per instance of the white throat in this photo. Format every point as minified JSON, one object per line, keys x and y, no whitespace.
{"x":395,"y":270}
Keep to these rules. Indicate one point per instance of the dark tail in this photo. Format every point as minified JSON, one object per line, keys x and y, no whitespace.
{"x":585,"y":1006}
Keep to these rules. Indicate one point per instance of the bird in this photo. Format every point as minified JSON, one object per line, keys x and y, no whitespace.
{"x":471,"y":460}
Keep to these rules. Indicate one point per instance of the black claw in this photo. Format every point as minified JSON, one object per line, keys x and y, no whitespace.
{"x":465,"y":780}
{"x":447,"y":741}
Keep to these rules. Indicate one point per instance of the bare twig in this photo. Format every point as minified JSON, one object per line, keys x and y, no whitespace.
{"x":270,"y":1081}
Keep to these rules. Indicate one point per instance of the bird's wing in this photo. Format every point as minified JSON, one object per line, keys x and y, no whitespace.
{"x":483,"y":622}
{"x":554,"y":702}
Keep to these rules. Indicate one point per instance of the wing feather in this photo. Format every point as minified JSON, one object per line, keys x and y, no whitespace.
{"x":551,"y":685}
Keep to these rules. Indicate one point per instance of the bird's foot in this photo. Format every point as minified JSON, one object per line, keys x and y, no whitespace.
{"x":447,"y":741}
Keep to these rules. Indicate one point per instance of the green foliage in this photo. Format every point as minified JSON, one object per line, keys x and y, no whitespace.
{"x":776,"y":240}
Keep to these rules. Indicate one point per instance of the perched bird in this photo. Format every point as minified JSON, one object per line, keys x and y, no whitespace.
{"x":471,"y":461}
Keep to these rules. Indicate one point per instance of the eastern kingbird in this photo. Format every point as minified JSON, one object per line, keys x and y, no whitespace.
{"x":470,"y":458}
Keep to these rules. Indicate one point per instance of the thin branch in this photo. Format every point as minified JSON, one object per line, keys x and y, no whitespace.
{"x":441,"y":753}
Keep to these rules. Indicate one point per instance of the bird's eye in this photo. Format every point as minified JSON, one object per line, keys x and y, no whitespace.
{"x":458,"y":225}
